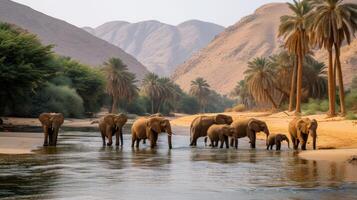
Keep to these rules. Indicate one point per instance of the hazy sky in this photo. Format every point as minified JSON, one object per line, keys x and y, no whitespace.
{"x":96,"y":12}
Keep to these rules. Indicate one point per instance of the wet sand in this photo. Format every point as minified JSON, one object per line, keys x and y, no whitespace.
{"x":19,"y":143}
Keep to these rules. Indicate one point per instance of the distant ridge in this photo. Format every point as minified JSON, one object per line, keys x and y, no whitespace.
{"x":69,"y":40}
{"x":160,"y":47}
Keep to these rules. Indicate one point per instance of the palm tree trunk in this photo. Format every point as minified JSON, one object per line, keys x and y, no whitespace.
{"x":115,"y":105}
{"x":331,"y":85}
{"x":152,"y":105}
{"x":340,"y":81}
{"x":299,"y":83}
{"x":293,"y":86}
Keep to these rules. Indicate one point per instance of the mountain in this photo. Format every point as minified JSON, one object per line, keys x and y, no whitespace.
{"x":69,"y":40}
{"x":224,"y":60}
{"x":160,"y":47}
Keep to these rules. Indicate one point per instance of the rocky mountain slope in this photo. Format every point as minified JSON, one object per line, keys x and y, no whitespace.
{"x":160,"y":47}
{"x":69,"y":40}
{"x":224,"y":60}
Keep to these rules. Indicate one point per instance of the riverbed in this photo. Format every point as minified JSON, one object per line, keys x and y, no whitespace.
{"x":80,"y":168}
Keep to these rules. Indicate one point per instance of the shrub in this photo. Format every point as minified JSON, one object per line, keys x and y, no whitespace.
{"x":351,"y":101}
{"x":239,"y":108}
{"x":54,"y":98}
{"x":351,"y":116}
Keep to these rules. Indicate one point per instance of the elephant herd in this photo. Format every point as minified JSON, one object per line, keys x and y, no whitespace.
{"x":219,"y":128}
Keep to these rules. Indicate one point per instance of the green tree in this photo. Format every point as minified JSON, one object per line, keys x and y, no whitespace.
{"x":200,"y":90}
{"x":293,"y":28}
{"x":151,"y":88}
{"x":88,"y":82}
{"x":23,"y":64}
{"x":354,"y":84}
{"x":333,"y":22}
{"x":260,"y":80}
{"x":120,"y":82}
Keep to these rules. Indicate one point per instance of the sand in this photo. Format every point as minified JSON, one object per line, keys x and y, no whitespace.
{"x":19,"y":143}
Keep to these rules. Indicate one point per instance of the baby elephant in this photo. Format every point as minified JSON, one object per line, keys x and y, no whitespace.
{"x":276,"y":139}
{"x":221,"y":132}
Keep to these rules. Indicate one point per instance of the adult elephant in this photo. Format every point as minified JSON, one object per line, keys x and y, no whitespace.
{"x":150,"y":128}
{"x":300,"y":129}
{"x":111,"y":125}
{"x":200,"y":125}
{"x":249,"y":128}
{"x":51,"y":122}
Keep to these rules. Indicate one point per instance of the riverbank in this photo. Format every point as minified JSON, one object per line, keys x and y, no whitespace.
{"x":333,"y":133}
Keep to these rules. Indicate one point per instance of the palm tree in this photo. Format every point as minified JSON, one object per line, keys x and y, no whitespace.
{"x":284,"y":66}
{"x":151,"y":88}
{"x":293,"y":28}
{"x":241,"y":91}
{"x":200,"y":90}
{"x":333,"y":22}
{"x":120,"y":82}
{"x":168,"y":92}
{"x":315,"y":81}
{"x":260,"y":80}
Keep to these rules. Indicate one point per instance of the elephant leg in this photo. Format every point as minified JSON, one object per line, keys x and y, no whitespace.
{"x":121,"y":138}
{"x":117,"y":137}
{"x":55,"y":136}
{"x":278,"y":146}
{"x":222,"y":143}
{"x":297,"y":144}
{"x":144,"y":141}
{"x":133,"y":139}
{"x":226,"y":140}
{"x":206,"y":141}
{"x":304,"y":141}
{"x":137,"y":143}
{"x":50,"y":136}
{"x":293,"y":140}
{"x":110,"y":139}
{"x":194,"y":141}
{"x":232,"y":142}
{"x":45,"y":142}
{"x":236,"y":143}
{"x":103,"y":138}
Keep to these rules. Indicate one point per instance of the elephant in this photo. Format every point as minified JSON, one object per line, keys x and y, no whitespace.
{"x":276,"y":139}
{"x":51,"y":122}
{"x":248,"y":128}
{"x":150,"y":128}
{"x":111,"y":125}
{"x":200,"y":125}
{"x":300,"y":129}
{"x":221,"y":132}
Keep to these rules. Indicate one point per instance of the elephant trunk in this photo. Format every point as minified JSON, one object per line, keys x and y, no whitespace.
{"x":266,"y":131}
{"x":169,"y":135}
{"x":314,"y":140}
{"x":288,"y":143}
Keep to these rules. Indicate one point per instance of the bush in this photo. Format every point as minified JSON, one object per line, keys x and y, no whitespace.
{"x":351,"y":116}
{"x":239,"y":108}
{"x":188,"y":105}
{"x":58,"y":99}
{"x":351,"y":101}
{"x":314,"y":106}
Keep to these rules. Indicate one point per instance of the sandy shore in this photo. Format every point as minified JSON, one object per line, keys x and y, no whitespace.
{"x":19,"y":143}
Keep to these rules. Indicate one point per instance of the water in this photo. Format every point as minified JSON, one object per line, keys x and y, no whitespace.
{"x":80,"y":168}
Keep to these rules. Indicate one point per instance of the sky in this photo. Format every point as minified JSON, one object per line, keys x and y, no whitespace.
{"x":96,"y":12}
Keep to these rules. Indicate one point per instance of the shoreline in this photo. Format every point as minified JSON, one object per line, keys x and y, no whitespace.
{"x":337,"y":137}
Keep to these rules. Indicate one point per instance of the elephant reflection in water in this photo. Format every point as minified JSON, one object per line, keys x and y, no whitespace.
{"x":318,"y":173}
{"x":150,"y":158}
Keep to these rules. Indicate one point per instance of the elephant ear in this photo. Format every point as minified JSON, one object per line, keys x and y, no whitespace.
{"x":313,"y":124}
{"x":254,"y":125}
{"x":220,"y":119}
{"x":109,"y":120}
{"x":302,"y":125}
{"x":58,"y":118}
{"x":45,"y":119}
{"x":154,"y":125}
{"x":121,"y":119}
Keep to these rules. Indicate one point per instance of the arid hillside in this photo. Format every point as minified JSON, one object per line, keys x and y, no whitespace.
{"x":69,"y":40}
{"x":160,"y":47}
{"x":224,"y":60}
